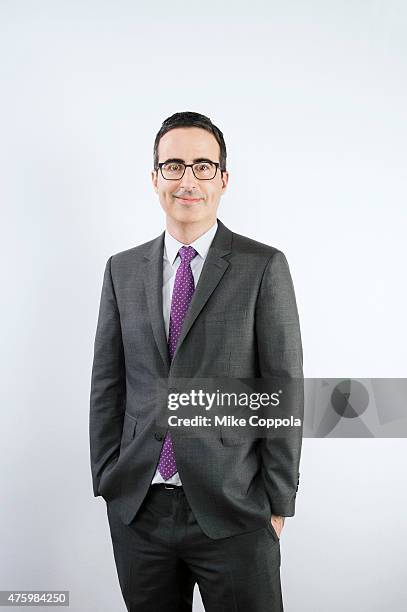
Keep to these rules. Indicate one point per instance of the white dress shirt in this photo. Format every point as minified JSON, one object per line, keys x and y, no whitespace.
{"x":171,"y":261}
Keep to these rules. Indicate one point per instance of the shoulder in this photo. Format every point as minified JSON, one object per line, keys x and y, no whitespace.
{"x":137,"y":254}
{"x":247,"y":247}
{"x":137,"y":251}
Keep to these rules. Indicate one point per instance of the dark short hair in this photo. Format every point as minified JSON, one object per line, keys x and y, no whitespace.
{"x":191,"y":119}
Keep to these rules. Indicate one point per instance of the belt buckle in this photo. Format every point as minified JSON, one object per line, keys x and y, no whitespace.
{"x":170,"y":487}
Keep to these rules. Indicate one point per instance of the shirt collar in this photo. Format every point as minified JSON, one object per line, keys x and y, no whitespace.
{"x":201,"y":244}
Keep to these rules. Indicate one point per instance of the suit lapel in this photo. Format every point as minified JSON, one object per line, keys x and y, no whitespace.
{"x":153,"y":283}
{"x":213,"y":270}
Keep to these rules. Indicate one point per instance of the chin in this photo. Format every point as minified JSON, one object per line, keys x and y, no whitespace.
{"x":187,"y":214}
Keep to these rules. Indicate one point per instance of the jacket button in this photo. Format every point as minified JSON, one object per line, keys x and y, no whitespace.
{"x":158,"y":436}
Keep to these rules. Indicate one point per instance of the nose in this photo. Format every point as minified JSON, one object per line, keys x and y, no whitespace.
{"x":188,"y":178}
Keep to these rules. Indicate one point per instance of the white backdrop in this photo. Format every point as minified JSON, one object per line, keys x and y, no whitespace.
{"x":311,"y":98}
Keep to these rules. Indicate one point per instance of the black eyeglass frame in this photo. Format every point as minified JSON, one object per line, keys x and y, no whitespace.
{"x":217,"y":164}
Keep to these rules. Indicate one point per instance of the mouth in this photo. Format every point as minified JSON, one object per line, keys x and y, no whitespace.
{"x":188,"y":200}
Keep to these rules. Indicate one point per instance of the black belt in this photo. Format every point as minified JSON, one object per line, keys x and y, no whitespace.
{"x":164,"y":485}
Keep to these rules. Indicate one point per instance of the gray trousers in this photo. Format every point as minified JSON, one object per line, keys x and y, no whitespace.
{"x":163,"y":553}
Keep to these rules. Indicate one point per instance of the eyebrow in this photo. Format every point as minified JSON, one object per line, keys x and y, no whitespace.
{"x":182,"y":161}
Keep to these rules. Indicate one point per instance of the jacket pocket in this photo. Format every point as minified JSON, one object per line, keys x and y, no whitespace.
{"x":231,"y":438}
{"x":223,"y":316}
{"x":129,"y":429}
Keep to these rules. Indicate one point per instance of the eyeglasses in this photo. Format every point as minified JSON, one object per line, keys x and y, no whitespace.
{"x":174,"y":171}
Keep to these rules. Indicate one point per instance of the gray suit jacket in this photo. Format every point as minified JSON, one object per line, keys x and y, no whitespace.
{"x":242,"y":322}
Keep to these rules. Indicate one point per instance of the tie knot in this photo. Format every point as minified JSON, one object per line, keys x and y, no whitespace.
{"x":187,"y":253}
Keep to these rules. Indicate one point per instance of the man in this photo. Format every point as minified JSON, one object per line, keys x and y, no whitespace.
{"x":197,"y":302}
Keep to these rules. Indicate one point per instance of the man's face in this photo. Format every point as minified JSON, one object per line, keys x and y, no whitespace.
{"x":189,"y":200}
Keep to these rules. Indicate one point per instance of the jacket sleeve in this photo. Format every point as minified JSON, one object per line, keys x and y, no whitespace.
{"x":281,"y":359}
{"x":108,"y":385}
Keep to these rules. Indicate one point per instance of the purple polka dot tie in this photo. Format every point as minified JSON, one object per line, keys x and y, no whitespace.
{"x":184,"y":287}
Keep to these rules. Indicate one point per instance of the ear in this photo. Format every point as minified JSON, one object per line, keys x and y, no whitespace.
{"x":154,"y":179}
{"x":225,"y":179}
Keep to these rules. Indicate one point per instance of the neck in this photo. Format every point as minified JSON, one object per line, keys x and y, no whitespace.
{"x":188,"y":232}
